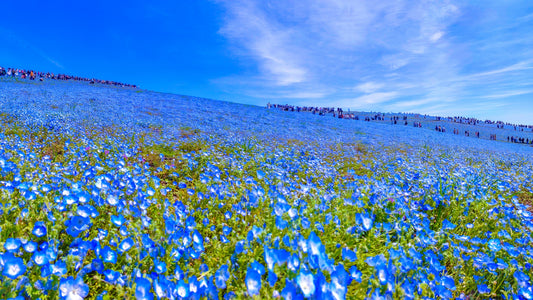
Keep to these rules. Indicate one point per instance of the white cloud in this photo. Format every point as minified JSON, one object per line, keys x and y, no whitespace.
{"x":266,"y":41}
{"x":521,"y":66}
{"x":297,"y":41}
{"x":507,"y":94}
{"x":436,"y":36}
{"x":369,"y":87}
{"x":304,"y":95}
{"x":375,"y":98}
{"x":390,"y":54}
{"x":412,"y":103}
{"x":396,"y":61}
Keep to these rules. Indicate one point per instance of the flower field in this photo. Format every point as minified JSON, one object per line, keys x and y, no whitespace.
{"x":112,"y":193}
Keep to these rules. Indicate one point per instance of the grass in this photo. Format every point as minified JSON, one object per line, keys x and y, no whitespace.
{"x":526,"y":198}
{"x":287,"y":187}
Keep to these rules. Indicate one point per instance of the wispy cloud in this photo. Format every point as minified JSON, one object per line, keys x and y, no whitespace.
{"x":368,"y":101}
{"x":265,"y":41}
{"x":436,"y":36}
{"x":19,"y":41}
{"x":369,"y":87}
{"x":410,"y":104}
{"x":391,"y":54}
{"x":507,"y":94}
{"x":520,"y":66}
{"x":375,"y":98}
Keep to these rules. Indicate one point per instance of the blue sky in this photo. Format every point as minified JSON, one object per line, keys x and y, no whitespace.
{"x":469,"y":58}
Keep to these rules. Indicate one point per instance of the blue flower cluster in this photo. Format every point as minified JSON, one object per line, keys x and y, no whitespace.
{"x":113,"y":193}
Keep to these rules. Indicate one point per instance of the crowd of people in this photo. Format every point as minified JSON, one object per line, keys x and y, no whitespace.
{"x":467,"y":133}
{"x":41,"y":76}
{"x":519,"y":140}
{"x":404,"y":120}
{"x":321,"y":111}
{"x":516,"y":127}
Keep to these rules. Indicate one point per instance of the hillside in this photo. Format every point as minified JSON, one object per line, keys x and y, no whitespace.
{"x":117,"y":192}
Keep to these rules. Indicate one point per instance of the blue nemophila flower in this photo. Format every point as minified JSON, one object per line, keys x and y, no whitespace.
{"x":111,"y":276}
{"x":40,"y":257}
{"x":385,"y":270}
{"x":77,"y":225}
{"x":526,"y":292}
{"x":258,"y":267}
{"x":190,"y":222}
{"x":226,"y":230}
{"x":198,"y":241}
{"x":125,"y":245}
{"x":384,"y":274}
{"x":39,"y":229}
{"x":108,"y":255}
{"x":272,"y":278}
{"x":253,"y":281}
{"x":442,"y":292}
{"x":160,"y":267}
{"x":521,"y":277}
{"x":270,"y":258}
{"x":29,"y":195}
{"x":340,"y":279}
{"x":376,"y":260}
{"x":150,"y":191}
{"x":182,"y":289}
{"x":289,"y":291}
{"x":59,"y":268}
{"x":230,"y":295}
{"x":221,"y":276}
{"x":118,"y":220}
{"x":112,"y":199}
{"x":161,"y":287}
{"x":305,"y":223}
{"x":356,"y":274}
{"x":97,"y":265}
{"x":12,"y":245}
{"x":282,"y":256}
{"x":142,"y":289}
{"x":30,"y":246}
{"x":281,"y":223}
{"x":228,"y":214}
{"x":448,"y":282}
{"x":494,"y":245}
{"x":51,"y":252}
{"x":365,"y":220}
{"x":204,"y":268}
{"x":349,"y":255}
{"x":293,"y":262}
{"x":483,"y":289}
{"x":13,"y":266}
{"x":447,"y":225}
{"x":239,"y":247}
{"x":73,"y":289}
{"x":314,"y":244}
{"x":123,"y":230}
{"x":306,"y":282}
{"x":323,"y":289}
